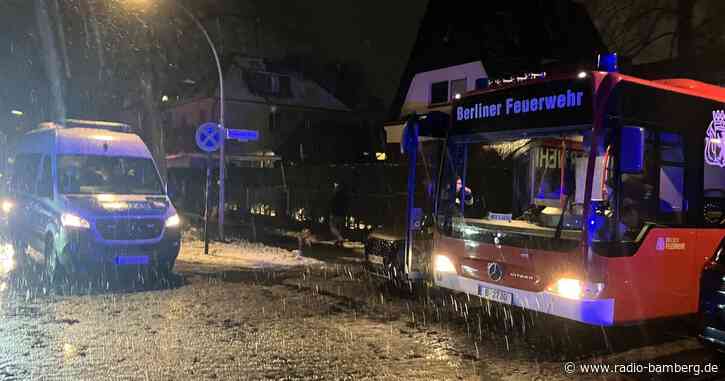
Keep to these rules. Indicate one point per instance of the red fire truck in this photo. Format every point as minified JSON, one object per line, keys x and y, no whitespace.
{"x":597,"y":197}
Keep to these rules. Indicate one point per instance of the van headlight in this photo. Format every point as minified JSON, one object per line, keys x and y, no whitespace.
{"x":444,"y":265}
{"x":7,"y":206}
{"x":72,"y":221}
{"x":173,"y":221}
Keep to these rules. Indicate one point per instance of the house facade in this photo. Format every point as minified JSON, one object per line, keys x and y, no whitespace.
{"x":275,"y":103}
{"x":434,"y":90}
{"x":455,"y":48}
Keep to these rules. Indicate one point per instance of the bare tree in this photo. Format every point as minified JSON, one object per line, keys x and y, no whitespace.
{"x":654,"y":30}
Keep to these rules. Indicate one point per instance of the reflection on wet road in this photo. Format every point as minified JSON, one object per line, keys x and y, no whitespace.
{"x":301,"y":323}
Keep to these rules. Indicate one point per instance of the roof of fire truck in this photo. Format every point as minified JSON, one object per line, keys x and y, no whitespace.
{"x":679,"y":85}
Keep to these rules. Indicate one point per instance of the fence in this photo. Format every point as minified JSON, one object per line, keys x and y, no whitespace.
{"x":299,"y":196}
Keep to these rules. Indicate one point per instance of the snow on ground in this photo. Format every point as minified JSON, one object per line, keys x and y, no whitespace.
{"x":241,"y":254}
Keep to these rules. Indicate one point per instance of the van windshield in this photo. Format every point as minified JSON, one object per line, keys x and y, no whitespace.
{"x":87,"y":174}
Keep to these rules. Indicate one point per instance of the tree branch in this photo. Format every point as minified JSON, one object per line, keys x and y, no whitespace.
{"x":672,"y":47}
{"x":648,"y":43}
{"x":625,"y":26}
{"x":704,"y":22}
{"x":615,"y":12}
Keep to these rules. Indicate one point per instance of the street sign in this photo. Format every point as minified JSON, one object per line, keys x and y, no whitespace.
{"x":208,"y":137}
{"x":242,"y":135}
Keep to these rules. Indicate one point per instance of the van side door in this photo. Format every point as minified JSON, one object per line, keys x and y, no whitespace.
{"x":25,"y":175}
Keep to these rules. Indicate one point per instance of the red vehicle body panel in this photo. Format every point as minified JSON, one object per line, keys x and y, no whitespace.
{"x":660,"y":280}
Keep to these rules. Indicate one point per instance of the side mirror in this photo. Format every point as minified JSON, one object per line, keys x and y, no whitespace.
{"x":632,"y":150}
{"x":409,"y":140}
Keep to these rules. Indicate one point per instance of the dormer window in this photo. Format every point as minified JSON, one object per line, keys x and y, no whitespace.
{"x":439,"y":92}
{"x":447,"y":91}
{"x":458,"y":88}
{"x":269,"y":84}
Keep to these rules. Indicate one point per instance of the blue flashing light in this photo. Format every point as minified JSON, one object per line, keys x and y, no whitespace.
{"x":607,"y":62}
{"x":597,"y":312}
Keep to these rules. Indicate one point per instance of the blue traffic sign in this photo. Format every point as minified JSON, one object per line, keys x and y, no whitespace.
{"x":209,"y":137}
{"x":242,"y":135}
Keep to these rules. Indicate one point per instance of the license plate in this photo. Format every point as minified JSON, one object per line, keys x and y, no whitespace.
{"x":375,"y":259}
{"x":495,"y":295}
{"x":135,"y":260}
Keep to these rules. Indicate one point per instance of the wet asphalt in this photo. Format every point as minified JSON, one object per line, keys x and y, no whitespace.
{"x":335,"y":322}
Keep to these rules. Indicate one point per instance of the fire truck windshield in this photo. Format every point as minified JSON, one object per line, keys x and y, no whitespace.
{"x":519,"y":182}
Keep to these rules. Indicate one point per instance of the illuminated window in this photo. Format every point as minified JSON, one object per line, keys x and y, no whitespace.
{"x":458,"y":88}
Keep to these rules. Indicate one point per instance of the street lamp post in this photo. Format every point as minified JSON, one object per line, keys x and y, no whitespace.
{"x":223,"y":131}
{"x":222,"y":159}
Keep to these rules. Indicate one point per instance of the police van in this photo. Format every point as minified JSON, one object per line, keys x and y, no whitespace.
{"x":87,"y":196}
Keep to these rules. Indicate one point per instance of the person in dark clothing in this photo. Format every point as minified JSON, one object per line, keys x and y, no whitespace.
{"x":338,"y":211}
{"x":454,"y":199}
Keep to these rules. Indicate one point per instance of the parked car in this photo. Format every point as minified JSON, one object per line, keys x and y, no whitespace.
{"x":384,"y":253}
{"x":712,"y":300}
{"x":89,"y":198}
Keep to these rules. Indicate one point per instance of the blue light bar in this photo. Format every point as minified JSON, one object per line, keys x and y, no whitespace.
{"x":607,"y":62}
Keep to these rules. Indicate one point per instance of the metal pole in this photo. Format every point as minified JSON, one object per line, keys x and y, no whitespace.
{"x":206,"y":203}
{"x":222,"y":159}
{"x":410,"y":141}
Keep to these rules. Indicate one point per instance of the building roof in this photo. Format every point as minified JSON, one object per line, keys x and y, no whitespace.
{"x":245,"y":80}
{"x":509,"y":38}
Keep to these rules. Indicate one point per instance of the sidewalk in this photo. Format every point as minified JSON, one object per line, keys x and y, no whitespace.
{"x":238,"y":254}
{"x":321,"y":248}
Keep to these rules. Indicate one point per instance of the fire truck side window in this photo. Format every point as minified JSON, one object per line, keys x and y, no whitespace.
{"x":657,"y":194}
{"x":671,"y":178}
{"x":638,"y":197}
{"x":714,"y":191}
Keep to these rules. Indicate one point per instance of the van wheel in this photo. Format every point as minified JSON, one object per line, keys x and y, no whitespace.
{"x":164,"y":269}
{"x":53,"y":269}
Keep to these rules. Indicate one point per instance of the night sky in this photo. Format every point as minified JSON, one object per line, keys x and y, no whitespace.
{"x":378,"y":34}
{"x":107,"y":43}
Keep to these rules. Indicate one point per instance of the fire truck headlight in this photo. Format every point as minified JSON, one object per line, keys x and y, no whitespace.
{"x":568,"y":288}
{"x":7,"y":206}
{"x":444,"y":265}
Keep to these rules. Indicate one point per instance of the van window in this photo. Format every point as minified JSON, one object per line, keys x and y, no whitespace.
{"x":45,"y":185}
{"x":87,"y":174}
{"x":25,"y":173}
